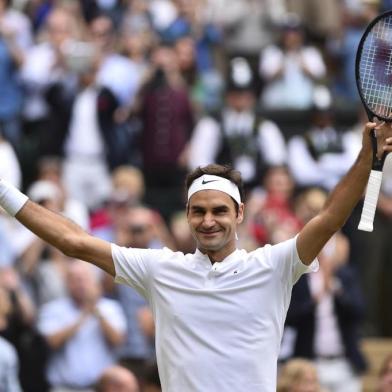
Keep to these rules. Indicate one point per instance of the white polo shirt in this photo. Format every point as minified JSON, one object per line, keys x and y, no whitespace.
{"x":218,"y":326}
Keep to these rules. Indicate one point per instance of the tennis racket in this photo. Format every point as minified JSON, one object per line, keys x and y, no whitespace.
{"x":373,"y":72}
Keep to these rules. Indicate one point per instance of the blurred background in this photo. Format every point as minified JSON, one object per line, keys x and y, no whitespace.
{"x":105,"y":105}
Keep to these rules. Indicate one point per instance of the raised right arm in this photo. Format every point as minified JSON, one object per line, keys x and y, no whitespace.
{"x":57,"y":230}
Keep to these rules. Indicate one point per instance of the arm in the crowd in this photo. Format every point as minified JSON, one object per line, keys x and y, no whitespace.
{"x":343,"y":198}
{"x":113,"y":336}
{"x":59,"y":338}
{"x":65,"y":235}
{"x":146,"y":322}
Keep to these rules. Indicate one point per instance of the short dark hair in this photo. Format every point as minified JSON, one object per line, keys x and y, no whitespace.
{"x":224,"y":171}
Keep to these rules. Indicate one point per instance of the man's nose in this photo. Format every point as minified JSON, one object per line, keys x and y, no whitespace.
{"x":209,"y":219}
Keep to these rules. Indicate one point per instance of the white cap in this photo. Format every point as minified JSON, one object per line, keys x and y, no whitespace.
{"x":208,"y":181}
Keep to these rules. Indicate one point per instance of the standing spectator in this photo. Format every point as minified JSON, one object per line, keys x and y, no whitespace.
{"x":87,"y":135}
{"x":44,"y":65}
{"x":326,"y":310}
{"x":206,"y":86}
{"x":115,"y":71}
{"x":291,"y":69}
{"x":15,"y":40}
{"x":237,"y":135}
{"x":167,"y":123}
{"x":82,"y":328}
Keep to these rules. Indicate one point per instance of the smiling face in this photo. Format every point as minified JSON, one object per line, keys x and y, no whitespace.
{"x":213,"y":219}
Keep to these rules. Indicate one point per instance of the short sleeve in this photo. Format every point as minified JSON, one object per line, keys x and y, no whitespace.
{"x":288,"y":262}
{"x":133,"y":266}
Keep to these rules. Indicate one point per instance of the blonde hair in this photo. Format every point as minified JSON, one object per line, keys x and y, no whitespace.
{"x":293,"y":372}
{"x":130,"y":179}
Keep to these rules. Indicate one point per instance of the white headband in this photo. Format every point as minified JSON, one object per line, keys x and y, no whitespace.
{"x":208,"y":181}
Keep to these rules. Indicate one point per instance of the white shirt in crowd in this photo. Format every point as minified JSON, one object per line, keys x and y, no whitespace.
{"x":294,"y":89}
{"x":83,"y":357}
{"x":218,"y":326}
{"x":207,"y":141}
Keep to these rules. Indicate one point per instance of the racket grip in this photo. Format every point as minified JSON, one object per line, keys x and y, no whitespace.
{"x":370,"y":203}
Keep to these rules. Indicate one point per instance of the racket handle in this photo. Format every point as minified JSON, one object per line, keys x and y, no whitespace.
{"x":370,"y":203}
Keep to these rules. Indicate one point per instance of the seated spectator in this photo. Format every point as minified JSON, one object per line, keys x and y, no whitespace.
{"x":298,"y":375}
{"x":82,"y":328}
{"x":385,"y":375}
{"x":117,"y":379}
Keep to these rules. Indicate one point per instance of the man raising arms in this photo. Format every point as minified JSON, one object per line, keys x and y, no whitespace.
{"x":219,"y":312}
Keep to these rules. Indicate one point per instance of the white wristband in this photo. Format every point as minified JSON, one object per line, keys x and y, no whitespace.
{"x":11,"y":199}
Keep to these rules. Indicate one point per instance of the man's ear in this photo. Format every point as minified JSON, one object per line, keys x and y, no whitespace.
{"x":240,"y":215}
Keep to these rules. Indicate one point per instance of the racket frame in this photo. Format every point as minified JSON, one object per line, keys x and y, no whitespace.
{"x":375,"y":177}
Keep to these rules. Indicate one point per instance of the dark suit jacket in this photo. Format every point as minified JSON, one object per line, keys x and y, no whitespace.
{"x":61,"y":101}
{"x":349,"y":309}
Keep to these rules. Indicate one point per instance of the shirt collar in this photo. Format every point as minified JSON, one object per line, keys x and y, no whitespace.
{"x":220,"y":267}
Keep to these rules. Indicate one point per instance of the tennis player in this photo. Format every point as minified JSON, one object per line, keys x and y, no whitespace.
{"x":219,"y":312}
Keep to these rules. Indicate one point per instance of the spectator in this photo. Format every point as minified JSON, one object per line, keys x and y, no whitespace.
{"x":115,"y":72}
{"x":82,"y":328}
{"x":326,"y":310}
{"x":44,"y":64}
{"x":117,"y":379}
{"x":270,"y":217}
{"x":15,"y":39}
{"x":167,"y":123}
{"x":322,"y":154}
{"x":87,"y":134}
{"x":237,"y":135}
{"x":291,"y":70}
{"x":298,"y":375}
{"x":128,"y":187}
{"x":9,"y":364}
{"x":50,"y":169}
{"x":205,"y":86}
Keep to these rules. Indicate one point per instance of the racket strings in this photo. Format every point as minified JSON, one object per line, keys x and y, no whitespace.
{"x":375,"y":68}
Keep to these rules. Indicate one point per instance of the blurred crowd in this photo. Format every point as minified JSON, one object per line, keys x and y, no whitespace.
{"x":105,"y":105}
